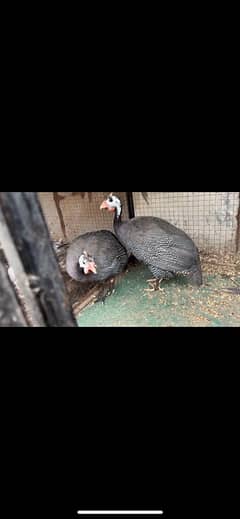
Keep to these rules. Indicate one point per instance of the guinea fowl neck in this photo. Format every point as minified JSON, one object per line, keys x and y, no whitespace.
{"x":117,"y":220}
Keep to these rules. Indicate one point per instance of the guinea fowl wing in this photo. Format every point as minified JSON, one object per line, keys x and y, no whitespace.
{"x":159,"y":244}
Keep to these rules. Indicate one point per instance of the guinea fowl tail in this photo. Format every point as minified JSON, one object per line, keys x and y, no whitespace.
{"x":196,"y":277}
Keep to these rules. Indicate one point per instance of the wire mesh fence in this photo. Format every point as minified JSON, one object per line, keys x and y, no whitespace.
{"x":210,"y":218}
{"x":78,"y":213}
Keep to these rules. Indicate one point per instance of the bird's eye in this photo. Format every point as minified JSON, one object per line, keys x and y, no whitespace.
{"x":110,"y":199}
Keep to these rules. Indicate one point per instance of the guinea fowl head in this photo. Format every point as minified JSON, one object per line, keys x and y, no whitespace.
{"x":112,"y":204}
{"x":87,"y":263}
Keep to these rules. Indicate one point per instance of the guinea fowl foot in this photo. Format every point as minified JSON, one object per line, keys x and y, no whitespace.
{"x":154,"y":285}
{"x":108,"y":289}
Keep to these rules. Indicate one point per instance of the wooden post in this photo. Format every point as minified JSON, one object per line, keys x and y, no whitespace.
{"x":28,"y":229}
{"x":32,"y":313}
{"x":131,"y":211}
{"x":238,"y":228}
{"x":10,"y":311}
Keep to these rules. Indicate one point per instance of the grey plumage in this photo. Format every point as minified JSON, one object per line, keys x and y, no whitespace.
{"x":165,"y":249}
{"x":107,"y":252}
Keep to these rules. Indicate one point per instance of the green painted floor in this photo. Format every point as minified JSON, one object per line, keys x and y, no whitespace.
{"x":178,"y":305}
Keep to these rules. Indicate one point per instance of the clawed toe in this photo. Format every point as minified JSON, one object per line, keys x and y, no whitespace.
{"x":154,"y":285}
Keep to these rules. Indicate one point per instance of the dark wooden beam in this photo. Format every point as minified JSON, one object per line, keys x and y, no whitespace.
{"x":131,"y":211}
{"x":25,"y":295}
{"x":10,"y":310}
{"x":238,"y":228}
{"x":30,"y":234}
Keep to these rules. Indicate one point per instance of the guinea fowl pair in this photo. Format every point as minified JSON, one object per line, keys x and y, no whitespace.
{"x":166,"y":250}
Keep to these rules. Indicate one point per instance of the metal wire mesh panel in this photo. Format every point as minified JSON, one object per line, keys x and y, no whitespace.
{"x":78,"y":214}
{"x":210,"y":218}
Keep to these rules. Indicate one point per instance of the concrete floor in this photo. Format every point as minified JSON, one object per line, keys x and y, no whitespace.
{"x":178,"y":305}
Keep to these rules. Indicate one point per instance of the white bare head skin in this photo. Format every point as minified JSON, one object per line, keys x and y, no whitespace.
{"x":112,"y":203}
{"x":87,"y":263}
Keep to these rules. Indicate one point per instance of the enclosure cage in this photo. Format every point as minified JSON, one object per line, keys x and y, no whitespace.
{"x":36,"y":230}
{"x":212,"y":219}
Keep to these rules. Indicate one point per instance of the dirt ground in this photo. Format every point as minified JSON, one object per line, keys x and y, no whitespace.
{"x":215,"y":304}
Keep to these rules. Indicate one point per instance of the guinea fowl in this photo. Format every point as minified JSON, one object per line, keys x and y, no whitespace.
{"x":165,"y":249}
{"x":96,"y":257}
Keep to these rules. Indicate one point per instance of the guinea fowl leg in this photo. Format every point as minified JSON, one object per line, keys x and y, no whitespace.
{"x":102,"y":294}
{"x":107,"y":290}
{"x":154,"y":285}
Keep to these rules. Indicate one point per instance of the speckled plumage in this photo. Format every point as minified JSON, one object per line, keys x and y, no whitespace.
{"x":165,"y":249}
{"x":108,"y":253}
